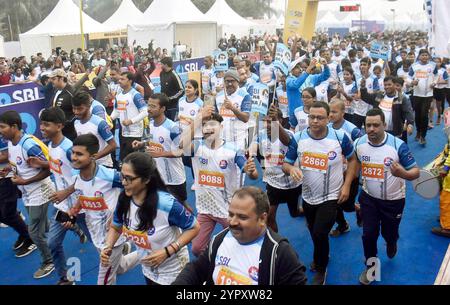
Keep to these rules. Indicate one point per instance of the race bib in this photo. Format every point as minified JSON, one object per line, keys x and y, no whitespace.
{"x":121,"y":105}
{"x":315,"y":162}
{"x":156,"y":147}
{"x":275,"y":159}
{"x":55,"y":166}
{"x":212,"y":179}
{"x":92,"y":203}
{"x":386,"y":105}
{"x":140,"y":239}
{"x":421,"y":74}
{"x":227,"y":113}
{"x":228,"y":277}
{"x":372,"y":171}
{"x":282,"y":100}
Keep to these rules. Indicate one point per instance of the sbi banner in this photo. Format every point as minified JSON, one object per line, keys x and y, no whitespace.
{"x":19,"y":93}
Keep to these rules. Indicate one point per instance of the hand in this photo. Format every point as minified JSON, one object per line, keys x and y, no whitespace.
{"x":155,"y":153}
{"x":137,"y":144}
{"x":207,"y":111}
{"x":344,"y":194}
{"x":273,"y":112}
{"x":34,"y":162}
{"x":127,"y":122}
{"x":5,"y":171}
{"x":409,"y":129}
{"x":18,"y":180}
{"x":250,"y":165}
{"x":296,"y":174}
{"x":397,"y":170}
{"x":311,"y":66}
{"x":323,"y":61}
{"x":432,"y":86}
{"x":227,"y":104}
{"x":363,"y":83}
{"x":155,"y":259}
{"x":59,"y":196}
{"x":415,"y":82}
{"x":105,"y":255}
{"x":68,"y":225}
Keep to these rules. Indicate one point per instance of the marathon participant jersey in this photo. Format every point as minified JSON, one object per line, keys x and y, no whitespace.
{"x":129,"y":105}
{"x":187,"y":111}
{"x":165,"y":138}
{"x":300,"y":119}
{"x":100,"y":129}
{"x":171,"y":218}
{"x":350,"y":130}
{"x":359,"y":106}
{"x":356,"y":69}
{"x":441,"y":76}
{"x":274,"y":154}
{"x":216,"y":82}
{"x":237,"y":264}
{"x":282,"y":101}
{"x":322,"y":91}
{"x":98,"y":199}
{"x":267,"y":74}
{"x":253,"y":79}
{"x":386,"y":106}
{"x":60,"y":165}
{"x":234,"y":130}
{"x":379,"y":82}
{"x":335,"y":69}
{"x":351,"y":90}
{"x":404,"y":75}
{"x":207,"y":74}
{"x":36,"y":193}
{"x":216,"y":173}
{"x":377,"y":179}
{"x":98,"y":109}
{"x":426,"y":75}
{"x":321,"y":162}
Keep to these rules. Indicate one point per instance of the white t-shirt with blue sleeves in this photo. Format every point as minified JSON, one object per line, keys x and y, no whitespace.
{"x":98,"y":199}
{"x":98,"y":109}
{"x":187,"y":111}
{"x":101,"y":130}
{"x":376,"y":160}
{"x":171,"y":218}
{"x":36,"y":193}
{"x":61,"y":168}
{"x":165,"y":138}
{"x":350,"y":130}
{"x":130,"y":106}
{"x":321,"y":162}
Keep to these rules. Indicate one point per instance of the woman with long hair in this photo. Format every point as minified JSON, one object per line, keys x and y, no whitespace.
{"x":154,"y":220}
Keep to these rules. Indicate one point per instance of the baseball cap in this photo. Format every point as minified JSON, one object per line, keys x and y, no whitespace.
{"x":58,"y":73}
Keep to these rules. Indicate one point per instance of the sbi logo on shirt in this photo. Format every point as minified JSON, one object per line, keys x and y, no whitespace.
{"x":253,"y":272}
{"x":98,"y":194}
{"x":388,"y":161}
{"x":19,"y":161}
{"x":223,"y":164}
{"x":332,"y":155}
{"x":161,"y":140}
{"x":151,"y":231}
{"x":192,"y":112}
{"x":203,"y":161}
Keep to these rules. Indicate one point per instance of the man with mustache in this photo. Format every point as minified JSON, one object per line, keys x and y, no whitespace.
{"x":248,"y":252}
{"x":386,"y":162}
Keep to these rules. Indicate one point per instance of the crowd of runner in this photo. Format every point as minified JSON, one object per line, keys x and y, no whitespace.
{"x":334,"y":141}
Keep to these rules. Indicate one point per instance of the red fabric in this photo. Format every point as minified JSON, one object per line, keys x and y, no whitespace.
{"x":4,"y":79}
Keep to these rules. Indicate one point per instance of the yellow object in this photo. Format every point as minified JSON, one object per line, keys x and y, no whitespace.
{"x":444,"y":206}
{"x":300,"y":19}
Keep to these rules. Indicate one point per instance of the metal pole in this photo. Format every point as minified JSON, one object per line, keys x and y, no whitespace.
{"x":81,"y":26}
{"x":10,"y":28}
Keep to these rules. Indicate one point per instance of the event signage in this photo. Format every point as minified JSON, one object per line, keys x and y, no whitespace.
{"x":27,"y":92}
{"x":221,"y":61}
{"x":282,"y":58}
{"x":379,"y":50}
{"x":260,"y":98}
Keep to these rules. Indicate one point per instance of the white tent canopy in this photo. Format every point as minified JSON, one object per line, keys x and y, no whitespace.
{"x":126,"y":12}
{"x":228,"y":20}
{"x":328,"y":21}
{"x":2,"y":46}
{"x":61,"y":28}
{"x":169,"y":11}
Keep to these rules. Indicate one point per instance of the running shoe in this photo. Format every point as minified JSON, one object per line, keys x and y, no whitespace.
{"x":363,"y":279}
{"x":44,"y":271}
{"x":19,"y":242}
{"x":319,"y":277}
{"x":339,"y":231}
{"x":27,"y":248}
{"x":391,"y":250}
{"x":441,"y":231}
{"x":65,"y":282}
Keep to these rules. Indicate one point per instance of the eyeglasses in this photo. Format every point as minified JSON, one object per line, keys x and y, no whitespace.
{"x":316,"y":117}
{"x":127,"y":179}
